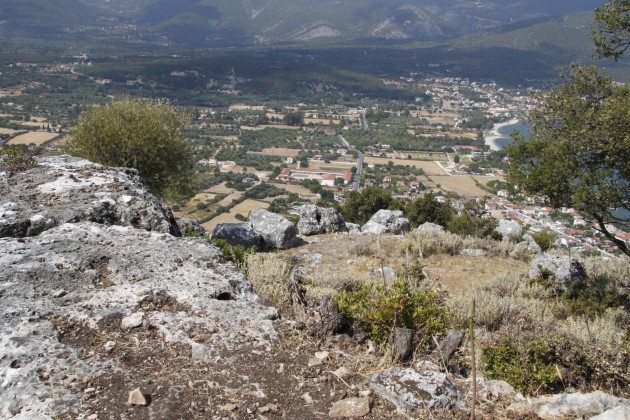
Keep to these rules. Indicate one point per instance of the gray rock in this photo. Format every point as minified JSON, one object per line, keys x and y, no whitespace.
{"x":238,"y":234}
{"x":429,"y":227}
{"x":353,"y":228}
{"x":509,"y":228}
{"x":617,"y":413}
{"x":492,"y":390}
{"x":276,"y":231}
{"x":189,"y":226}
{"x":132,"y":321}
{"x":578,"y":405}
{"x":317,"y":220}
{"x":350,"y":408}
{"x":473,"y":252}
{"x":387,"y":221}
{"x":407,"y":388}
{"x":565,"y":270}
{"x":390,"y":273}
{"x":111,"y":271}
{"x":64,"y":189}
{"x":527,"y":247}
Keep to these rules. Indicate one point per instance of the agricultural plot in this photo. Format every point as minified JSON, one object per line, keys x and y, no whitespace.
{"x":463,"y":184}
{"x":33,"y":137}
{"x":280,"y":151}
{"x":429,"y":167}
{"x":7,"y":131}
{"x":297,"y":189}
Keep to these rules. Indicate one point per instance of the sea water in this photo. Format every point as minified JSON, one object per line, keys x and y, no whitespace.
{"x":507,"y":131}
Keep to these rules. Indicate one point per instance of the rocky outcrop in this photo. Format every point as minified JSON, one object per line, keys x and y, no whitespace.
{"x":428,"y":227}
{"x":575,"y":405}
{"x":64,"y":189}
{"x":188,"y":226}
{"x":318,"y":220}
{"x":527,"y":247}
{"x":387,"y":221}
{"x":408,"y":388}
{"x":509,"y":229}
{"x":238,"y":234}
{"x":562,"y":269}
{"x":276,"y":231}
{"x":73,"y":293}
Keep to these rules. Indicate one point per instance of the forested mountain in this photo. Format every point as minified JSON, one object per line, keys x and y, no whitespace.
{"x":238,"y":22}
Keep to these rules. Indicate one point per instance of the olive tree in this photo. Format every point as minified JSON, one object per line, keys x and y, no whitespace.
{"x":578,"y":154}
{"x":141,"y":134}
{"x":611,"y":34}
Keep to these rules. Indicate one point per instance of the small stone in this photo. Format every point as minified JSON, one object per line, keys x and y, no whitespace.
{"x":89,"y":390}
{"x":314,"y":361}
{"x":228,"y":407}
{"x":136,"y":397}
{"x":350,"y":407}
{"x":343,"y":372}
{"x":109,"y":346}
{"x":132,"y":321}
{"x":322,"y":355}
{"x":59,"y":293}
{"x":365,"y":393}
{"x":92,"y":417}
{"x":307,"y":398}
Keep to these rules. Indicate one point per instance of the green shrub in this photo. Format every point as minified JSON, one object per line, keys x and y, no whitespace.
{"x":544,"y":239}
{"x":529,"y":367}
{"x":142,"y":134}
{"x":234,"y":253}
{"x":378,"y":309}
{"x":15,"y":159}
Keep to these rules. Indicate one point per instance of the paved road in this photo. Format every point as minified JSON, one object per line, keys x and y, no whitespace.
{"x":356,"y":182}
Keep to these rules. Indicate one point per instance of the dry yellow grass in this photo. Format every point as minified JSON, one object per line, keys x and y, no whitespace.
{"x":219,"y":189}
{"x":7,"y":131}
{"x":297,"y":189}
{"x":33,"y":137}
{"x":231,"y":197}
{"x":430,"y":168}
{"x":203,"y":196}
{"x":462,"y":184}
{"x":280,"y":151}
{"x":262,"y":127}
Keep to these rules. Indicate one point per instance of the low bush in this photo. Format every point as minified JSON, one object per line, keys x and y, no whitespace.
{"x":378,"y":309}
{"x":544,"y":239}
{"x":14,"y":159}
{"x":234,"y":253}
{"x":530,"y":367}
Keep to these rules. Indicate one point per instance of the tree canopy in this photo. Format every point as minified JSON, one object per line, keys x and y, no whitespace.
{"x":141,"y":134}
{"x":359,"y":207}
{"x":428,"y":209}
{"x":579,"y":151}
{"x":611,"y":34}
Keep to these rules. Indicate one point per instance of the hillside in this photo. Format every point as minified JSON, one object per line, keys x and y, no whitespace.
{"x":106,"y":314}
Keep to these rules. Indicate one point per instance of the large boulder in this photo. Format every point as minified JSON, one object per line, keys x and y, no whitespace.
{"x":408,"y":388}
{"x":387,"y":221}
{"x":238,"y":234}
{"x":528,"y":247}
{"x":428,"y":227}
{"x":64,"y":189}
{"x":563,"y":269}
{"x":317,"y":220}
{"x":276,"y":231}
{"x":509,"y":228}
{"x":579,"y":405}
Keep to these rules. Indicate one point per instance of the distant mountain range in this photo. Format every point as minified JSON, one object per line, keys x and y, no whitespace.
{"x":241,"y":22}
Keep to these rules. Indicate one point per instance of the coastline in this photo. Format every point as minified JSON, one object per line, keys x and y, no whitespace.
{"x":491,"y":136}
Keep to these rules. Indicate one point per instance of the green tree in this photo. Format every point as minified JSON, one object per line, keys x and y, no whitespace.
{"x":359,"y":207}
{"x":294,"y":118}
{"x":579,"y":151}
{"x":427,"y":209}
{"x":141,"y":134}
{"x":611,"y":34}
